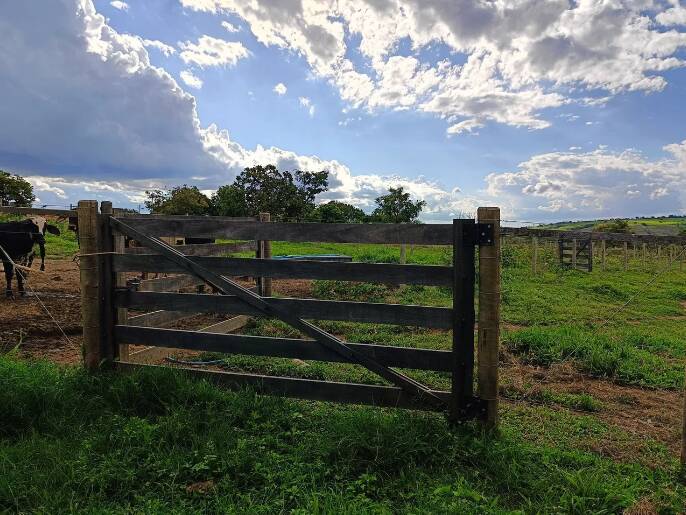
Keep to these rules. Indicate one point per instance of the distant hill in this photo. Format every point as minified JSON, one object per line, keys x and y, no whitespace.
{"x":658,"y":226}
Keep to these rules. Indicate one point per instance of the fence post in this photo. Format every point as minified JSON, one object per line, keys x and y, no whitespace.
{"x":489,"y":315}
{"x":645,"y":254}
{"x":626,"y":256}
{"x":265,"y":252}
{"x":574,"y":254}
{"x":534,"y":255}
{"x":603,"y":254}
{"x":112,"y":241}
{"x":87,"y":211}
{"x":462,"y":384}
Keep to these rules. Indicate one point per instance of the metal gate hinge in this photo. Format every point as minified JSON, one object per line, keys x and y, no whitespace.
{"x":484,"y":234}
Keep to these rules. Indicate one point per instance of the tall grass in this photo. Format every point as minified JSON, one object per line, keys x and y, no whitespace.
{"x":156,"y":442}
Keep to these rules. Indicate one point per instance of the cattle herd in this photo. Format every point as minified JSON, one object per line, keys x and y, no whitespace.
{"x":17,"y":240}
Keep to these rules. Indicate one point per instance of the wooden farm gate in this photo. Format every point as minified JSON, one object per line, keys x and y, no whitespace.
{"x":576,"y":254}
{"x":106,"y":334}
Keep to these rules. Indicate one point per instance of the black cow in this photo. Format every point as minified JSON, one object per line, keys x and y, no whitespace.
{"x":17,"y":240}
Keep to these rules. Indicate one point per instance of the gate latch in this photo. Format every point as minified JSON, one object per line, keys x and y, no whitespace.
{"x":484,"y":235}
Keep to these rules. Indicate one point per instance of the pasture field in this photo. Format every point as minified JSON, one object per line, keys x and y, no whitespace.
{"x":660,"y":226}
{"x":592,"y":368}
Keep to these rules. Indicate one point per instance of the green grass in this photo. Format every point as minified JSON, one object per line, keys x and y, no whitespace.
{"x":113,"y":443}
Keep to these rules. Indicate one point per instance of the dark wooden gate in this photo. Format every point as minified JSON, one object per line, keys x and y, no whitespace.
{"x":404,"y":391}
{"x":576,"y":253}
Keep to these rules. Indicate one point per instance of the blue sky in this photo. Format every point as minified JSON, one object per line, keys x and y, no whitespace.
{"x":529,"y":109}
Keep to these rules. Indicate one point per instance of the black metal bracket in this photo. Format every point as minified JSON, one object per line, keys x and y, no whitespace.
{"x":474,"y":408}
{"x":482,"y":234}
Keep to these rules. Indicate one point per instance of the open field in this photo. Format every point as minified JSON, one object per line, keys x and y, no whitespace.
{"x":590,"y":411}
{"x":659,"y":226}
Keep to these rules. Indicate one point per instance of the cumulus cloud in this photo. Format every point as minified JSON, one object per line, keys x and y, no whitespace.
{"x":130,"y":124}
{"x":209,"y":51}
{"x":165,"y":49}
{"x":595,"y":183}
{"x":280,"y":89}
{"x":510,"y":60}
{"x":191,"y":80}
{"x":674,"y":16}
{"x":118,"y":4}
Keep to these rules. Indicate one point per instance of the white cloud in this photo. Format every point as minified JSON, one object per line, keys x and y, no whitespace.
{"x":509,"y":60}
{"x":131,"y":128}
{"x":191,"y":80}
{"x":118,"y":4}
{"x":165,"y":49}
{"x":230,"y":27}
{"x":209,"y":51}
{"x":307,"y":104}
{"x":280,"y":89}
{"x":595,"y":183}
{"x":470,"y":125}
{"x":673,"y":16}
{"x":130,"y":124}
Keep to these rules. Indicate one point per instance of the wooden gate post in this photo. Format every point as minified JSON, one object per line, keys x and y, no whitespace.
{"x":87,"y":211}
{"x":111,"y":316}
{"x":462,"y":384}
{"x":489,"y":315}
{"x":574,"y":254}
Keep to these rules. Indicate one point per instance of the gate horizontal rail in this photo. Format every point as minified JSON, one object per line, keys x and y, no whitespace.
{"x":428,"y":275}
{"x":429,"y":234}
{"x":403,"y":357}
{"x":308,"y":389}
{"x":367,"y":312}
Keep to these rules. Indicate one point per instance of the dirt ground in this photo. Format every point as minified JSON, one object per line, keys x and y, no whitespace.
{"x":35,"y":323}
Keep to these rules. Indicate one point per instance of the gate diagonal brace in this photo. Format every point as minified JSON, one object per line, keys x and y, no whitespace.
{"x":228,"y":287}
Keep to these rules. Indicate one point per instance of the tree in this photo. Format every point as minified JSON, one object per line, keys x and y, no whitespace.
{"x":337,"y":212}
{"x":16,"y":190}
{"x":285,"y":195}
{"x":397,"y":207}
{"x":180,"y":200}
{"x":229,"y":200}
{"x":616,"y":225}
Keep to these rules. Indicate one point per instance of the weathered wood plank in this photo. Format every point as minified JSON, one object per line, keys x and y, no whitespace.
{"x":226,"y":326}
{"x":158,"y":318}
{"x":201,"y":249}
{"x":174,"y":283}
{"x":309,"y":389}
{"x":423,"y":234}
{"x":431,"y":275}
{"x":400,"y":314}
{"x":421,"y":359}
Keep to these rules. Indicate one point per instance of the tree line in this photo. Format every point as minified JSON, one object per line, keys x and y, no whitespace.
{"x":286,"y":196}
